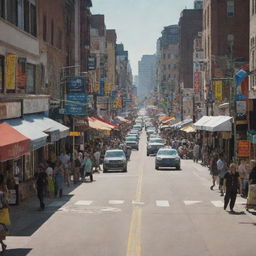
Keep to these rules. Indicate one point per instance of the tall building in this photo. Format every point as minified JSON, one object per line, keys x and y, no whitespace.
{"x":198,"y":4}
{"x":147,"y":75}
{"x":190,"y":24}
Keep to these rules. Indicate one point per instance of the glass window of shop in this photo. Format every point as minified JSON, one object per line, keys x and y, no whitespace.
{"x":31,"y":73}
{"x":1,"y":73}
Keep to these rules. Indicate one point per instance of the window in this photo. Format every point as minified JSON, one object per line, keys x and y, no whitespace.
{"x":52,"y":32}
{"x":59,"y":39}
{"x":252,"y":6}
{"x":1,"y":73}
{"x":31,"y":72}
{"x":2,"y":8}
{"x":164,"y":67}
{"x":44,"y":28}
{"x":21,"y":14}
{"x":33,"y":23}
{"x":169,"y":55}
{"x":26,"y":15}
{"x":12,"y":11}
{"x":164,"y":56}
{"x":230,"y":8}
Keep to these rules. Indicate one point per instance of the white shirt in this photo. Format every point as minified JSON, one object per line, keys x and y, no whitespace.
{"x":49,"y":171}
{"x":97,"y":155}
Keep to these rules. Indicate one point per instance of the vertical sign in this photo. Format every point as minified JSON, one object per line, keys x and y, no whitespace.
{"x":196,"y":82}
{"x":21,"y":73}
{"x":102,"y":86}
{"x":11,"y":60}
{"x":1,"y":73}
{"x":243,"y":148}
{"x":218,"y":90}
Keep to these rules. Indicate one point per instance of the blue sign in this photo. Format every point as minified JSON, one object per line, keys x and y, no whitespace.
{"x":76,"y":109}
{"x":241,"y":97}
{"x":127,"y":100}
{"x":102,"y":86}
{"x":76,"y":85}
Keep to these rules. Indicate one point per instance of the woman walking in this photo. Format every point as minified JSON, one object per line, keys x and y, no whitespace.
{"x":232,"y":183}
{"x":59,"y":180}
{"x":214,"y":170}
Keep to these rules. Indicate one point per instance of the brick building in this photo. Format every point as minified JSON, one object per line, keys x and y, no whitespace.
{"x":190,"y":24}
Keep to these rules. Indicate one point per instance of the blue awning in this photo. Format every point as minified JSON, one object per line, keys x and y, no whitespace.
{"x":37,"y":138}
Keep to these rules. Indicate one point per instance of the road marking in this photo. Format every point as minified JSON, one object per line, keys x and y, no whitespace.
{"x":81,"y":202}
{"x":192,"y":202}
{"x":116,"y":201}
{"x":217,"y":203}
{"x":134,"y":238}
{"x":162,"y":203}
{"x":110,"y":209}
{"x":137,"y":203}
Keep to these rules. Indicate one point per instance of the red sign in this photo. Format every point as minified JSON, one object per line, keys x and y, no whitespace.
{"x":196,"y":82}
{"x":12,"y":144}
{"x":243,"y":148}
{"x":21,"y":73}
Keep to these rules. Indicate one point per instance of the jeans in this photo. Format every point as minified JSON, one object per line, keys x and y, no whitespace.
{"x":40,"y":195}
{"x":230,"y":196}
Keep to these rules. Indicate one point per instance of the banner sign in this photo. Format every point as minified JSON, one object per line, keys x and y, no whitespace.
{"x":102,"y":86}
{"x":91,"y":63}
{"x":75,"y":134}
{"x":76,"y":85}
{"x":218,"y":90}
{"x":76,"y":109}
{"x":196,"y":82}
{"x":11,"y":60}
{"x":243,"y":148}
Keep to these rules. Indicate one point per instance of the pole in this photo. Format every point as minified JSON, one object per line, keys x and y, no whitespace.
{"x":73,"y":138}
{"x":234,"y":119}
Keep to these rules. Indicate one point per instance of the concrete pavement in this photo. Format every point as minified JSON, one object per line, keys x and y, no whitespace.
{"x":141,"y":212}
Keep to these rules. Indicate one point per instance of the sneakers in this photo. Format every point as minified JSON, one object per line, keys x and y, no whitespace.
{"x":211,"y":188}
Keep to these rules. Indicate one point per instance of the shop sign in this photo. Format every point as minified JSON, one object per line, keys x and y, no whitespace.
{"x":53,"y":136}
{"x":241,"y":110}
{"x":11,"y":60}
{"x":196,"y":82}
{"x":75,"y":134}
{"x":91,"y":63}
{"x":13,"y":151}
{"x":243,"y":148}
{"x":76,"y":85}
{"x":218,"y":90}
{"x":3,"y":111}
{"x":78,"y":107}
{"x":36,"y":144}
{"x":102,"y":86}
{"x":81,"y":124}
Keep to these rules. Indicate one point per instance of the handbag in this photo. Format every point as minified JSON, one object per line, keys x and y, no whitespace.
{"x":5,"y":216}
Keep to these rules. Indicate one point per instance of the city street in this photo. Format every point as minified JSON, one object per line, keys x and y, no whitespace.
{"x":142,"y":212}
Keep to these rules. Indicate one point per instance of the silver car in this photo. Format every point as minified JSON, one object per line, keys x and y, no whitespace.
{"x":167,"y":157}
{"x":115,"y":159}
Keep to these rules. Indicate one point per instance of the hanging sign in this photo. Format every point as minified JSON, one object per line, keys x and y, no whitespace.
{"x":218,"y":90}
{"x":11,"y":60}
{"x":76,"y":85}
{"x":243,"y":148}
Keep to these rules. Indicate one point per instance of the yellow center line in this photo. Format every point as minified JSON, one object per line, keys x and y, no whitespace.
{"x":134,"y":238}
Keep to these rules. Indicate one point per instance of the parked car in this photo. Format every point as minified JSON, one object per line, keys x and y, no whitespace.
{"x":132,"y":142}
{"x":154,"y":145}
{"x":167,"y":157}
{"x":115,"y":159}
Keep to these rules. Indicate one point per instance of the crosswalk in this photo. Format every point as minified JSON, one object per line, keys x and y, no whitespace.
{"x":156,"y":203}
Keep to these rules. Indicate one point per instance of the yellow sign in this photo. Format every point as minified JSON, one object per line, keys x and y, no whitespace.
{"x":11,"y":60}
{"x":108,"y":88}
{"x":218,"y":90}
{"x":75,"y":134}
{"x":96,"y":87}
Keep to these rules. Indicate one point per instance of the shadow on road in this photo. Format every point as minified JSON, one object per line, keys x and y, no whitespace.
{"x":26,"y":218}
{"x":17,"y":252}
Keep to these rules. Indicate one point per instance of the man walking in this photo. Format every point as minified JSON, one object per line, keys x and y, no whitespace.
{"x":196,"y":150}
{"x":88,"y":168}
{"x":41,"y":184}
{"x":222,"y":171}
{"x":232,"y":184}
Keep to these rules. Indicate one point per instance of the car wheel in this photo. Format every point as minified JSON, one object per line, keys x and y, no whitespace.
{"x":125,"y":169}
{"x":157,"y":168}
{"x":105,"y":170}
{"x":178,"y":168}
{"x":147,"y":154}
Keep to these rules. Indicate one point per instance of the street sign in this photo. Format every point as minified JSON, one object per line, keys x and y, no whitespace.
{"x":73,"y":108}
{"x":75,"y":134}
{"x":127,"y":100}
{"x":76,"y":85}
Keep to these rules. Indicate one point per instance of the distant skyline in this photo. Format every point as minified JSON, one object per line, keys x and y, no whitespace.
{"x":139,"y":23}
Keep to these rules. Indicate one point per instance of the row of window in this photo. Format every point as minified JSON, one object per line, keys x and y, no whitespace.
{"x":169,"y":77}
{"x":253,"y":6}
{"x":21,"y":13}
{"x":169,"y":66}
{"x":25,"y":80}
{"x":169,"y":56}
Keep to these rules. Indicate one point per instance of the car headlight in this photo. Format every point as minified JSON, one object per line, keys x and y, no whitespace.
{"x":149,"y":146}
{"x":106,"y":161}
{"x":159,"y":158}
{"x":177,"y":159}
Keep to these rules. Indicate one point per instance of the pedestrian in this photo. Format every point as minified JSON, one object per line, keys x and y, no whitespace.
{"x":214,"y":170}
{"x":97,"y":160}
{"x":128,"y":153}
{"x":65,"y":159}
{"x":242,"y":173}
{"x":77,"y":166}
{"x":59,"y":180}
{"x":50,"y":179}
{"x":232,"y":184}
{"x":222,"y":170}
{"x":88,"y":168}
{"x":252,"y":177}
{"x":196,"y":150}
{"x":41,"y":185}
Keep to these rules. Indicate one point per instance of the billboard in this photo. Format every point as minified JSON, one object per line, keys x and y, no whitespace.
{"x":75,"y":85}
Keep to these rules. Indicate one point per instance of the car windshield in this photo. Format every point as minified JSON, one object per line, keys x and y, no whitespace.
{"x":130,"y":139}
{"x":167,"y":152}
{"x":114,"y":154}
{"x":155,"y":140}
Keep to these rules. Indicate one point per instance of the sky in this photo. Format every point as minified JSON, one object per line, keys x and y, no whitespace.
{"x":139,"y":23}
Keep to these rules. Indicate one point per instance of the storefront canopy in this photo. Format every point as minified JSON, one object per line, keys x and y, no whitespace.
{"x":97,"y":124}
{"x":182,"y":123}
{"x":12,"y":143}
{"x":122,"y":119}
{"x":55,"y":130}
{"x":215,"y":124}
{"x":168,"y":120}
{"x":37,"y":138}
{"x":188,"y":128}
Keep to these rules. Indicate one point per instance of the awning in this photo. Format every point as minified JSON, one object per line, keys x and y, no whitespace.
{"x":108,"y":123}
{"x":215,"y":124}
{"x":168,"y":120}
{"x":99,"y":125}
{"x":182,"y":123}
{"x":37,"y":138}
{"x":188,"y":128}
{"x":12,"y":143}
{"x":55,"y":130}
{"x":123,"y":119}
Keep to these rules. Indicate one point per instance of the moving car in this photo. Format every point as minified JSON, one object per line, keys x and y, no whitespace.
{"x":167,"y":157}
{"x":133,"y":131}
{"x":134,"y":136}
{"x":137,"y":127}
{"x":151,"y":130}
{"x":115,"y":159}
{"x":132,"y":142}
{"x":154,"y":145}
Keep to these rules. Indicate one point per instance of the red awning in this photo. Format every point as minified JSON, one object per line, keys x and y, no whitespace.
{"x":107,"y":122}
{"x":12,"y":143}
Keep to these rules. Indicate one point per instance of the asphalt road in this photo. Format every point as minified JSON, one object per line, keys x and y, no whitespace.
{"x":143,"y":212}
